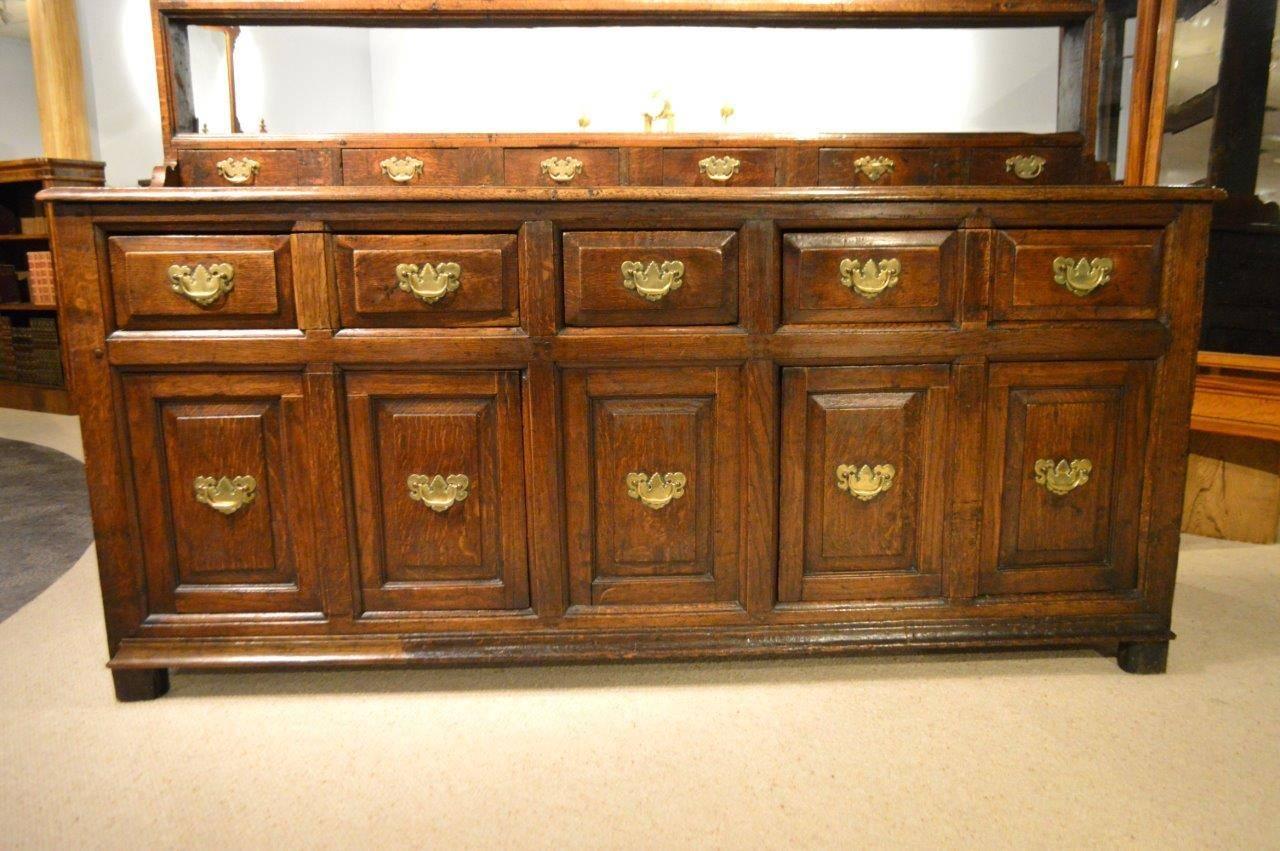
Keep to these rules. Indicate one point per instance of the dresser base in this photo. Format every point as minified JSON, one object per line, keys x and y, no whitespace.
{"x":1143,"y":657}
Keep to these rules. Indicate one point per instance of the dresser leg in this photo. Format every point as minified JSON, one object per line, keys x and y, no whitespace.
{"x":146,"y":684}
{"x":1144,"y":657}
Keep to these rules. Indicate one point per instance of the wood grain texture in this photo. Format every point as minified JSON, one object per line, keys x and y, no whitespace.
{"x":549,"y":558}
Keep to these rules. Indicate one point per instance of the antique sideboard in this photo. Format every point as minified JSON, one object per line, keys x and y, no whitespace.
{"x":497,"y":425}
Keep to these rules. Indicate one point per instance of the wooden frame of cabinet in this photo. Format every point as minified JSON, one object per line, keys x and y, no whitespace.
{"x":718,"y":403}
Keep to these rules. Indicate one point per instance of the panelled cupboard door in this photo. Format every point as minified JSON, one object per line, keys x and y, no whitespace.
{"x":437,"y":463}
{"x":1065,"y":445}
{"x":654,"y":485}
{"x":864,"y":482}
{"x":220,"y":472}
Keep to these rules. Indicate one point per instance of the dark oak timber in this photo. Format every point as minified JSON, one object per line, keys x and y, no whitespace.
{"x":546,"y":382}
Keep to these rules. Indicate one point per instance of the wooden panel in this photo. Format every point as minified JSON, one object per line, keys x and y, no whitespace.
{"x":370,"y":294}
{"x":261,"y":294}
{"x":523,"y":166}
{"x":910,"y":166}
{"x":1039,"y":541}
{"x":472,"y":554}
{"x":833,"y":545}
{"x":594,"y":293}
{"x":197,"y":559}
{"x":618,"y":422}
{"x":275,"y":167}
{"x":991,"y":166}
{"x":927,"y":283}
{"x":1025,"y":287}
{"x":1233,"y":488}
{"x":756,"y":166}
{"x":440,"y":166}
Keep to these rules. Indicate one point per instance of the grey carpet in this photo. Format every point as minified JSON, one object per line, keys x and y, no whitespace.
{"x":44,"y":520}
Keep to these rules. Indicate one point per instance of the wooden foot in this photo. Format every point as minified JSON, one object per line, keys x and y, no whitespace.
{"x":1147,"y":657}
{"x":146,"y":684}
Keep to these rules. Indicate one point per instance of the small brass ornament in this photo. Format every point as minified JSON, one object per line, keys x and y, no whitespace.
{"x":865,"y":482}
{"x":655,"y":491}
{"x":438,"y":492}
{"x":225,"y":495}
{"x":652,"y":282}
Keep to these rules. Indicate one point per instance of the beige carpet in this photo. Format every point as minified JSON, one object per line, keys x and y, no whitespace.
{"x":1049,"y":750}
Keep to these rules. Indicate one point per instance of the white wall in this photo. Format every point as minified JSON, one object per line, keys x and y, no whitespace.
{"x":120,"y":79}
{"x":19,"y":118}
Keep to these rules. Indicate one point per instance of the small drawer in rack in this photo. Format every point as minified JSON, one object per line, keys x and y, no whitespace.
{"x":883,"y":166}
{"x":421,"y":167}
{"x":719,"y":167}
{"x":1077,"y":274}
{"x":239,"y":168}
{"x":428,"y":280}
{"x":871,"y":276}
{"x":1024,"y":166}
{"x":560,"y":167}
{"x":651,"y":278}
{"x":196,"y":282}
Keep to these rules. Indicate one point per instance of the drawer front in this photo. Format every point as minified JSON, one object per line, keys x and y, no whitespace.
{"x":239,"y":168}
{"x":1064,"y":461}
{"x":438,"y":476}
{"x":864,"y":484}
{"x":428,"y":280}
{"x":653,"y":485}
{"x":563,"y":167}
{"x":885,"y":276}
{"x":422,"y":167}
{"x":651,"y":278}
{"x":175,"y":282}
{"x":719,"y":167}
{"x":1024,"y":166}
{"x":223,"y":497}
{"x":1077,"y":274}
{"x":881,"y":166}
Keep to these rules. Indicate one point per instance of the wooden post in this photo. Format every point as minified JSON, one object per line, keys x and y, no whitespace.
{"x":59,"y":73}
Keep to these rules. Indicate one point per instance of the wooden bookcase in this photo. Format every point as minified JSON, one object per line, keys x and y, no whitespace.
{"x":20,"y":180}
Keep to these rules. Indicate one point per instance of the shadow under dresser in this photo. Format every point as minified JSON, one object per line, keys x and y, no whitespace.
{"x":358,"y":426}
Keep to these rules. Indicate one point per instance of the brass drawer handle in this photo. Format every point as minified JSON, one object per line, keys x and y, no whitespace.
{"x":1064,"y":476}
{"x":238,"y":171}
{"x":562,"y":170}
{"x":720,"y":169}
{"x":865,"y":482}
{"x":655,"y":491}
{"x":429,"y":283}
{"x":205,"y":284}
{"x":870,"y":278}
{"x":224,"y":495}
{"x":652,"y":282}
{"x":402,"y":169}
{"x":1025,"y":166}
{"x":874,"y":168}
{"x":437,"y":492}
{"x":1082,"y":276}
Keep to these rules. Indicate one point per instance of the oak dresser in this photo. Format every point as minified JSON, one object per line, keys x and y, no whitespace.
{"x":359,"y":426}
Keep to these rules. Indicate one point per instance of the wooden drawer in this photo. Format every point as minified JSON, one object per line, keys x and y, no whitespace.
{"x":173,"y":282}
{"x":421,"y":167}
{"x":437,"y":465}
{"x":654,"y":486}
{"x":864,"y":482}
{"x":1064,"y":459}
{"x":1077,"y":274}
{"x":428,"y":280}
{"x":719,"y":167}
{"x":882,"y":166}
{"x":651,"y":278}
{"x":873,"y":276}
{"x":1024,"y":166}
{"x":220,"y":469}
{"x":563,"y":167}
{"x":239,"y":168}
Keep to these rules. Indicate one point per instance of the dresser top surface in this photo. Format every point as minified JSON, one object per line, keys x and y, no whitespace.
{"x":904,"y":194}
